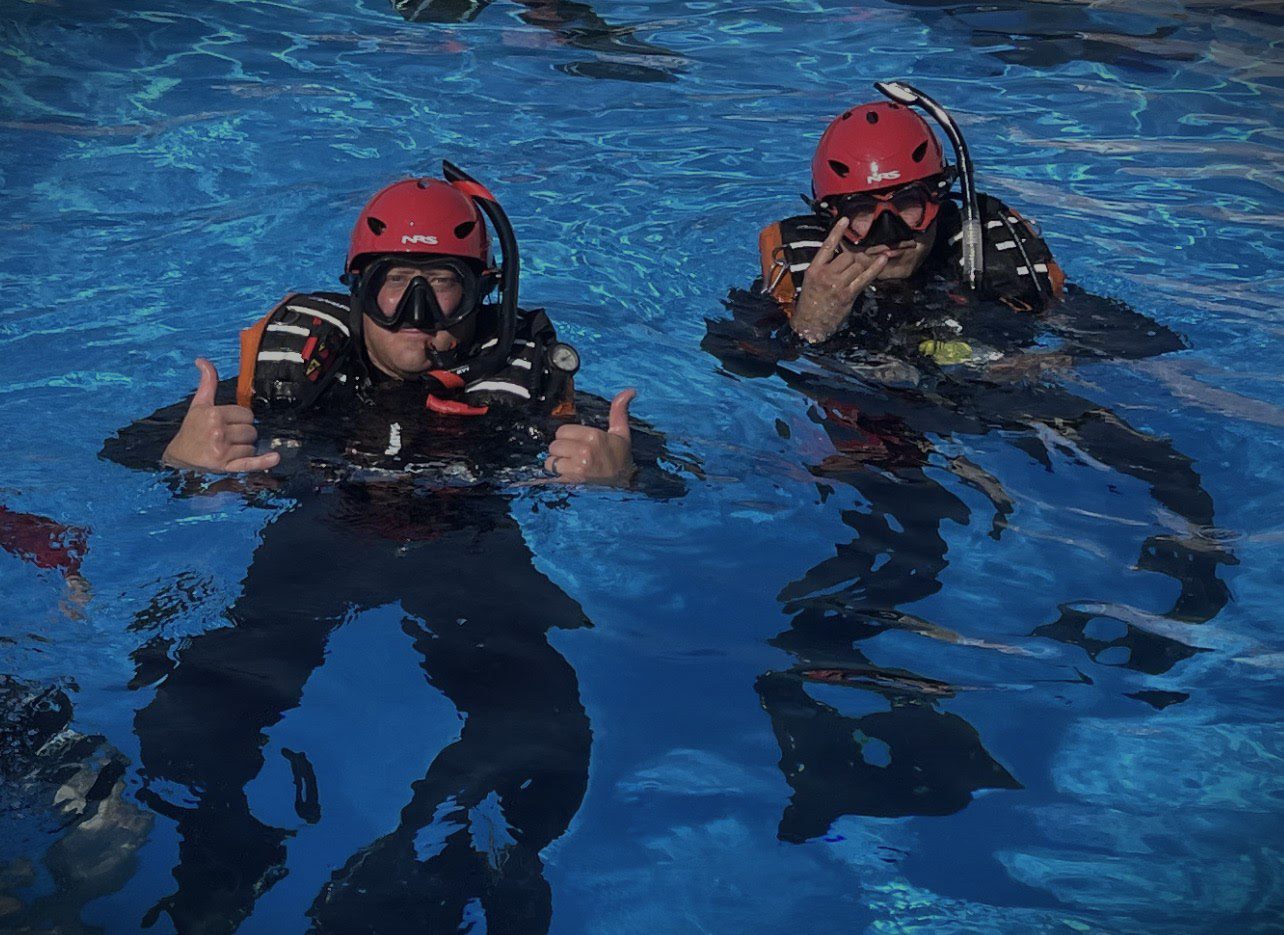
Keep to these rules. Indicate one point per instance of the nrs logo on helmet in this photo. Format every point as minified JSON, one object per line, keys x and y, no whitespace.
{"x":875,"y":176}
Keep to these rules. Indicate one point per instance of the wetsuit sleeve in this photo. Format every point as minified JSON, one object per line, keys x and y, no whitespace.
{"x":754,"y":339}
{"x":141,"y":444}
{"x":660,"y":470}
{"x":1095,"y":327}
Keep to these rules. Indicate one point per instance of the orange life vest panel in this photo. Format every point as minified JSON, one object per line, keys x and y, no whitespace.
{"x":786,"y":249}
{"x":292,"y":354}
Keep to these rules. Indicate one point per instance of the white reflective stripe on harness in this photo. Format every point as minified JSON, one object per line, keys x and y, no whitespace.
{"x":500,"y":386}
{"x":319,"y":298}
{"x":805,"y":243}
{"x":293,"y":357}
{"x":1038,"y":268}
{"x":520,"y":363}
{"x":303,"y":310}
{"x":290,"y":329}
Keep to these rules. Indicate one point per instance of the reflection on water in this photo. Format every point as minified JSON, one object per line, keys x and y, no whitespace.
{"x":477,"y":613}
{"x":884,"y":439}
{"x":73,"y":831}
{"x":524,"y":743}
{"x":1127,"y":35}
{"x":618,"y":54}
{"x":1064,"y":714}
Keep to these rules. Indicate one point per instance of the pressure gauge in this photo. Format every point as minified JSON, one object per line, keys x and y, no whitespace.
{"x":565,"y":358}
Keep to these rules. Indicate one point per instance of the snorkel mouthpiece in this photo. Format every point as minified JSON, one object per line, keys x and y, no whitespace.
{"x":910,"y":96}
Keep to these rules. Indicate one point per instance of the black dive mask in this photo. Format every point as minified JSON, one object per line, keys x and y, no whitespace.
{"x":424,"y":287}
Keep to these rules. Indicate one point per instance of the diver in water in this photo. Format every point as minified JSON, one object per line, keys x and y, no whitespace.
{"x":400,"y":416}
{"x":419,"y":269}
{"x":912,"y":315}
{"x":882,"y":223}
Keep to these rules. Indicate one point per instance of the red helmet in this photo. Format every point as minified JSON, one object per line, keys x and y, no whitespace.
{"x":420,"y":216}
{"x":872,"y":147}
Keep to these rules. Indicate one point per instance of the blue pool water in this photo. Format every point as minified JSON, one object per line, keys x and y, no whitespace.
{"x":1044,"y":740}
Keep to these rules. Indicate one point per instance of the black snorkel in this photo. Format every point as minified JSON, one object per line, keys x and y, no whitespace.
{"x":497,"y":356}
{"x":909,"y":96}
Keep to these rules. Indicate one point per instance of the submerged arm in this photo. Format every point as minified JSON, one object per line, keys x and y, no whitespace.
{"x":1093,"y":327}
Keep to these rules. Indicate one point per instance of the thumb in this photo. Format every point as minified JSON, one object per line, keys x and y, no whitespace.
{"x":619,"y":422}
{"x":209,"y":382}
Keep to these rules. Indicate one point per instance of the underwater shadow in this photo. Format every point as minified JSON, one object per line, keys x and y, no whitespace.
{"x":618,"y":55}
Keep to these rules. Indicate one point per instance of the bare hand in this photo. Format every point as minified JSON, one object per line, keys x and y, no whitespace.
{"x":216,"y":438}
{"x":833,"y":280}
{"x":582,"y":454}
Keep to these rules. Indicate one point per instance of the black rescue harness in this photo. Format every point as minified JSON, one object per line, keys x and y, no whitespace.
{"x":1019,"y":270}
{"x":310,"y":344}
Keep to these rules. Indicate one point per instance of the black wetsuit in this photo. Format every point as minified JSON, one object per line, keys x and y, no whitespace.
{"x":881,"y":394}
{"x":415,"y":516}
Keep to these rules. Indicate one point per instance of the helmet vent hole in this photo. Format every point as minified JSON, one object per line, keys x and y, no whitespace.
{"x":424,"y":183}
{"x":464,"y":229}
{"x":376,"y":226}
{"x":842,"y":169}
{"x":920,"y":151}
{"x":846,"y":115}
{"x":871,"y":117}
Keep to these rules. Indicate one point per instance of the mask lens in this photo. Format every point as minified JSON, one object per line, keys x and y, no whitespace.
{"x":911,"y":204}
{"x":392,"y":291}
{"x":859,"y":209}
{"x":444,"y":283}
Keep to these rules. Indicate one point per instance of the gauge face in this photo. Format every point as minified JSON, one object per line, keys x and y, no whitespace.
{"x":564,"y":358}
